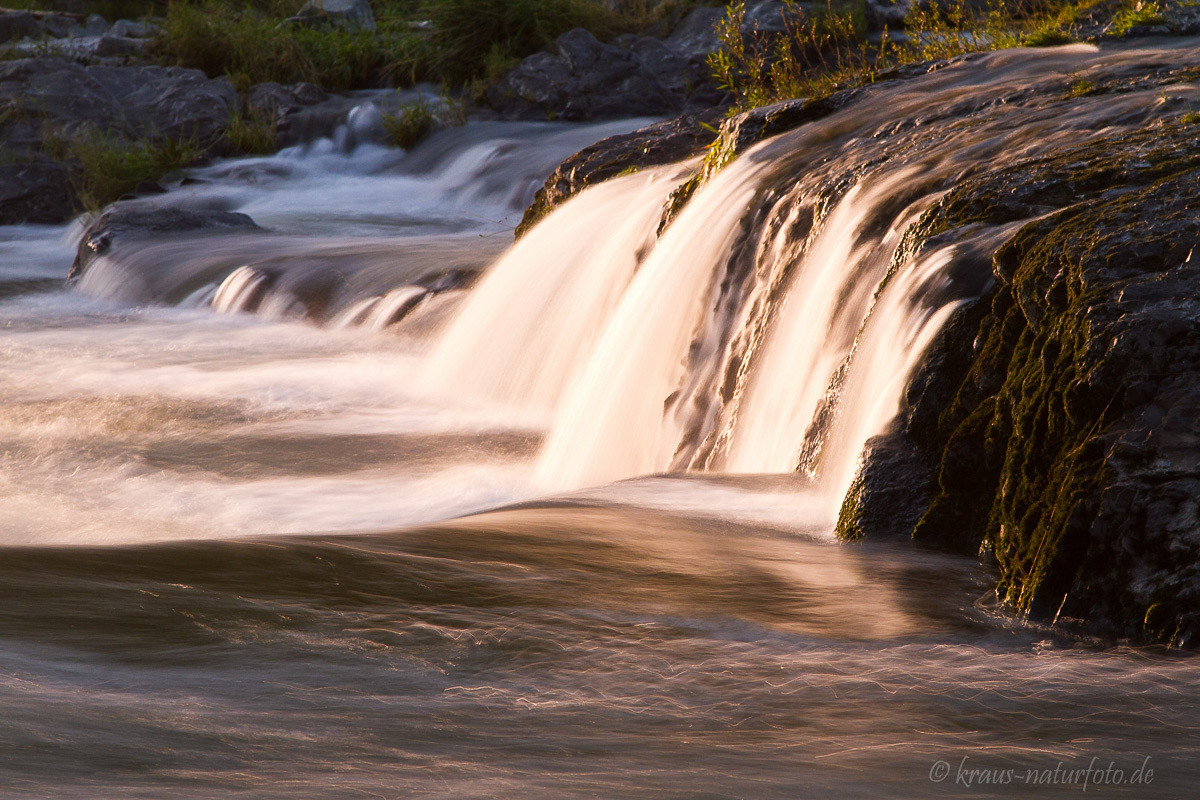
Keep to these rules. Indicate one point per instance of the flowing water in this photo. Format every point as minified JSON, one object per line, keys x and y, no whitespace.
{"x":370,"y":503}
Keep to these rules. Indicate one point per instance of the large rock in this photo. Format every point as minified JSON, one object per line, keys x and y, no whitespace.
{"x":1058,"y":417}
{"x":44,"y":96}
{"x":138,"y":101}
{"x":34,"y":191}
{"x":18,"y":25}
{"x":583,"y":78}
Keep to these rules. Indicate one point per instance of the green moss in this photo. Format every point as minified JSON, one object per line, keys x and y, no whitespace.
{"x":1021,"y":444}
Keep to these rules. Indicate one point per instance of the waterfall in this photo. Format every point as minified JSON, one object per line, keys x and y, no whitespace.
{"x":540,"y":310}
{"x":616,"y":336}
{"x":773,"y":326}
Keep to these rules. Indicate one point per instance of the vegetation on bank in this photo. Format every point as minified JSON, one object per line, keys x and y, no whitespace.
{"x":457,"y":42}
{"x":832,"y":49}
{"x":104,"y":166}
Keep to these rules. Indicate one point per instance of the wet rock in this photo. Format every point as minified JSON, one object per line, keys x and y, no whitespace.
{"x":1059,"y":415}
{"x":130,"y":221}
{"x":661,"y":143}
{"x":890,"y":493}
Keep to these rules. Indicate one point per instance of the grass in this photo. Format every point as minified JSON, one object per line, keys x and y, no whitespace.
{"x":458,"y":42}
{"x":1082,"y":87}
{"x":415,"y":121}
{"x":105,"y":166}
{"x":1139,"y":14}
{"x":826,"y":50}
{"x":409,"y":125}
{"x":253,"y":132}
{"x":249,"y":44}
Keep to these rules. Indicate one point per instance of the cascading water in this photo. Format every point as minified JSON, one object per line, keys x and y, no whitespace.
{"x":305,"y":547}
{"x":753,"y":336}
{"x":538,"y":313}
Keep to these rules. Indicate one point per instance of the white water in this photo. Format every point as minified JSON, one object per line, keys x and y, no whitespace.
{"x":537,"y":315}
{"x":751,"y":337}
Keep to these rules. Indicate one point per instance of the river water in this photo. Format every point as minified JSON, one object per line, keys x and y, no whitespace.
{"x":264,"y":533}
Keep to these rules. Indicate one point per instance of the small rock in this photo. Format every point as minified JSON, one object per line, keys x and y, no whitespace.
{"x":110,"y":46}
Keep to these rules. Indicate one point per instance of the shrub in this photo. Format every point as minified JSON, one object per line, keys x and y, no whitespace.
{"x":104,"y":166}
{"x":252,"y":45}
{"x":409,"y":125}
{"x":1047,"y":37}
{"x":826,"y":50}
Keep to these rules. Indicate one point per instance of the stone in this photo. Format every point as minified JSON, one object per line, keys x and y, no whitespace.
{"x":660,"y":143}
{"x":110,"y":46}
{"x":34,"y":192}
{"x":138,"y":101}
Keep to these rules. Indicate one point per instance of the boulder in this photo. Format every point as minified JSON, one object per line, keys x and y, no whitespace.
{"x":582,"y":78}
{"x":34,"y":191}
{"x":1055,"y":423}
{"x":138,"y":101}
{"x":110,"y":46}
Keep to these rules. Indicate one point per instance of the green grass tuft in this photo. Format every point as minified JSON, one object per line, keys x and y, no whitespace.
{"x":253,"y":132}
{"x":409,"y":125}
{"x":105,"y":166}
{"x":1140,"y":14}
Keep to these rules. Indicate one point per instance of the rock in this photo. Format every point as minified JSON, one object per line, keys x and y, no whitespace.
{"x":580,"y":49}
{"x":95,"y":25}
{"x":661,"y":143}
{"x":353,"y":14}
{"x":890,"y":493}
{"x":18,"y":25}
{"x":34,"y":192}
{"x":771,"y":18}
{"x":583,"y":78}
{"x":1059,"y":415}
{"x":139,"y":101}
{"x":130,"y":29}
{"x":130,"y":221}
{"x":58,"y":26}
{"x":749,"y":127}
{"x":110,"y":46}
{"x":696,"y":37}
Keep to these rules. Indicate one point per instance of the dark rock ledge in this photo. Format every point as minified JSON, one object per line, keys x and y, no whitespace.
{"x":1055,"y":425}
